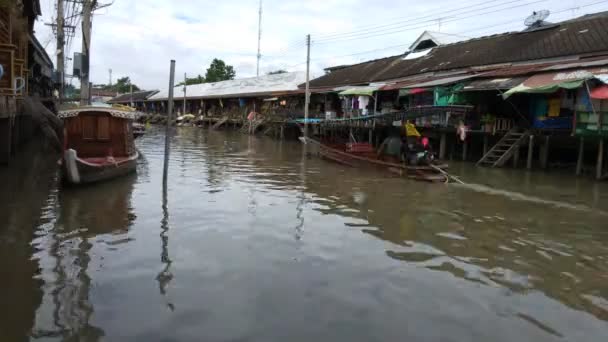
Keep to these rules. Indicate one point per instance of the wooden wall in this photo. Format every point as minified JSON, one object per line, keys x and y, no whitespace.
{"x":96,"y":134}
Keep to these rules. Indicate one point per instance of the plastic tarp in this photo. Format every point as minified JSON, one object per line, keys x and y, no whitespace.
{"x":445,"y":96}
{"x":357,"y":91}
{"x":553,"y":81}
{"x":600,"y":93}
{"x":414,"y":91}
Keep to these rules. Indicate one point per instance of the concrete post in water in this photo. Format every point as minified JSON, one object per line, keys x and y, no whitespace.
{"x":442,"y":143}
{"x":600,"y":160}
{"x":581,"y":156}
{"x":516,"y":157}
{"x":169,"y":121}
{"x":530,"y":152}
{"x":307,"y":95}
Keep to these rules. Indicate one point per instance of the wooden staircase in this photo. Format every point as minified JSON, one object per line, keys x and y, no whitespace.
{"x":498,"y":155}
{"x":222,"y":121}
{"x":252,"y":126}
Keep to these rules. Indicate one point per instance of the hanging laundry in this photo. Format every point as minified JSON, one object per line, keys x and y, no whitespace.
{"x":363,"y":103}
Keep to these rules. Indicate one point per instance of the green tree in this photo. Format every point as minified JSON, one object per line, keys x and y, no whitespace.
{"x":122,"y":85}
{"x":219,"y":71}
{"x":280,"y":71}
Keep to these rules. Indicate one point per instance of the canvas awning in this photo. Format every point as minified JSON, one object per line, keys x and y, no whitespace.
{"x":600,"y":93}
{"x":552,"y":81}
{"x":366,"y":90}
{"x":439,"y":82}
{"x":493,"y":84}
{"x":406,"y":92}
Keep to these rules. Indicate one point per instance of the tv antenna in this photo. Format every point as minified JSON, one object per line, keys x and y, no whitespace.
{"x":536,"y":19}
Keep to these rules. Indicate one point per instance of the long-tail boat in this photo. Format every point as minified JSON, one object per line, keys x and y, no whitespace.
{"x":361,"y":155}
{"x":98,"y":144}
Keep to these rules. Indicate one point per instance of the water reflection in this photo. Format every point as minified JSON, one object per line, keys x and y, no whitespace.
{"x":85,"y":217}
{"x":269,"y":244}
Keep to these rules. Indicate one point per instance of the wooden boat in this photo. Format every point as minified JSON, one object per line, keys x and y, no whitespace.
{"x":98,"y":144}
{"x":364,"y":155}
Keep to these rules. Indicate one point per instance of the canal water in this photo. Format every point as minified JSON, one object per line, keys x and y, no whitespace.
{"x":256,"y":241}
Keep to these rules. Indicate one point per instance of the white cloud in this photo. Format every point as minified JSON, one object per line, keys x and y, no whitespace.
{"x":139,"y":38}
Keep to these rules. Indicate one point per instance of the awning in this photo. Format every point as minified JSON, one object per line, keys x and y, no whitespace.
{"x":552,"y":81}
{"x":439,"y":82}
{"x":406,"y":92}
{"x":493,"y":84}
{"x":600,"y":93}
{"x":367,"y":90}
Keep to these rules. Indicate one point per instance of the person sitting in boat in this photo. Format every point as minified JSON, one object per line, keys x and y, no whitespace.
{"x":391,"y":147}
{"x":422,"y":153}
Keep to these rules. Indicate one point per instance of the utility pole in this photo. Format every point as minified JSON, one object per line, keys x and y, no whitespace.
{"x":131,"y":91}
{"x":87,"y":10}
{"x":259,"y":39}
{"x":110,"y":70}
{"x":60,"y":49}
{"x":307,"y":98}
{"x":184,"y":109}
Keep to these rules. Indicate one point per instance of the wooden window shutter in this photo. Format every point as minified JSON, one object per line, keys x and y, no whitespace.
{"x":103,"y":128}
{"x":89,"y":124}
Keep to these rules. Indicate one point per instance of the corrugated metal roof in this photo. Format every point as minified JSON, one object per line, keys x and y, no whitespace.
{"x":136,"y":96}
{"x":266,"y":85}
{"x":494,"y":83}
{"x":580,"y":36}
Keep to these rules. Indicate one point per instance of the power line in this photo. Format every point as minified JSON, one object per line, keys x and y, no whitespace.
{"x":468,"y":31}
{"x":408,"y":20}
{"x":393,"y":31}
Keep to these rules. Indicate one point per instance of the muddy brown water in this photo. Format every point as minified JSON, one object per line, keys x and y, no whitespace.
{"x":258,"y":243}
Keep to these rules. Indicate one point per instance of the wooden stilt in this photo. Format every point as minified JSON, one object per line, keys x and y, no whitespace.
{"x":370,"y":136}
{"x":599,"y":171}
{"x":442,"y":143}
{"x":544,"y":161}
{"x":516,"y":157}
{"x":485,"y":144}
{"x":530,"y":152}
{"x":581,"y":156}
{"x":465,"y":150}
{"x":282,"y":136}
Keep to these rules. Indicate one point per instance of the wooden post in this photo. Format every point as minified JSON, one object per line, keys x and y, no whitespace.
{"x":370,"y":136}
{"x":485,"y":144}
{"x":581,"y":155}
{"x":282,"y":132}
{"x":600,"y":160}
{"x":516,"y":157}
{"x":530,"y":152}
{"x":465,"y":149}
{"x":442,"y":143}
{"x":544,"y":161}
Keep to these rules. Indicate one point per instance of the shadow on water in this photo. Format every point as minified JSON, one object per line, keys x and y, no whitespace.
{"x":26,"y":194}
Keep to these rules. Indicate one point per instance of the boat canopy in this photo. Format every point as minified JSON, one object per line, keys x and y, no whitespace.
{"x":128,"y":115}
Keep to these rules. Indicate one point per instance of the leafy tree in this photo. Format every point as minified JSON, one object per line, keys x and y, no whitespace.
{"x":219,"y":71}
{"x":195,"y":80}
{"x":122,"y":86}
{"x":280,"y":71}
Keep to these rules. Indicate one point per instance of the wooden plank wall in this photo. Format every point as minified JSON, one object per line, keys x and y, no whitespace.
{"x":97,"y":148}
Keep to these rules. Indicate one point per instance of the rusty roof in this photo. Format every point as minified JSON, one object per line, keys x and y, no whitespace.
{"x":586,"y":35}
{"x":136,"y":96}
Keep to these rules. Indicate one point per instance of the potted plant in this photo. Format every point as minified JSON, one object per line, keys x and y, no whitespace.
{"x":488,"y":122}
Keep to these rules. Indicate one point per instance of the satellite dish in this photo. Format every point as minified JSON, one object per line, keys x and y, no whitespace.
{"x":537,"y":18}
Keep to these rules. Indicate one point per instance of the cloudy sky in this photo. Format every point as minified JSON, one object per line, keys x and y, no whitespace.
{"x":139,"y":38}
